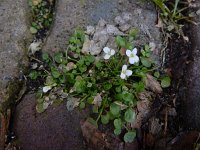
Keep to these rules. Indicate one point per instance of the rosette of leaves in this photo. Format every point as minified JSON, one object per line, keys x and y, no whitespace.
{"x":88,"y":82}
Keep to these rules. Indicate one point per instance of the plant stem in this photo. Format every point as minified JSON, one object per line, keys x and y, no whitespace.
{"x":101,"y":111}
{"x":84,"y":98}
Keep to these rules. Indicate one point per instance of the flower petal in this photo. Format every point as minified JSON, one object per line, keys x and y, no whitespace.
{"x":124,"y":67}
{"x":134,"y":51}
{"x":106,"y":50}
{"x":136,"y":58}
{"x":46,"y":88}
{"x":132,"y":60}
{"x":128,"y":52}
{"x":122,"y":76}
{"x":129,"y":72}
{"x":112,"y":52}
{"x":106,"y":56}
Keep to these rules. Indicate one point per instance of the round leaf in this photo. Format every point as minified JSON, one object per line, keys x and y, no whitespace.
{"x":105,"y":119}
{"x":33,"y":30}
{"x":129,"y":115}
{"x":165,"y":82}
{"x":117,"y":131}
{"x":129,"y":136}
{"x":58,"y":57}
{"x":118,"y":123}
{"x":146,"y":62}
{"x":114,"y":109}
{"x":82,"y":105}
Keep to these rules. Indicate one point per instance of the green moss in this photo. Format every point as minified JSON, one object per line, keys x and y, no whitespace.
{"x":12,"y":92}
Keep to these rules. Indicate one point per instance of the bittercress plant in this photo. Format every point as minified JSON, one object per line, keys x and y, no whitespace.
{"x":110,"y":85}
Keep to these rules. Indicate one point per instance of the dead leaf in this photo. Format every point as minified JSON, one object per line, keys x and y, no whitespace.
{"x":154,"y":126}
{"x":34,"y":47}
{"x":122,"y":106}
{"x":70,"y":66}
{"x":123,"y":51}
{"x":159,"y":23}
{"x":98,"y":140}
{"x":97,"y":100}
{"x":72,"y":103}
{"x":86,"y":45}
{"x":146,"y":96}
{"x":152,"y":84}
{"x":143,"y":106}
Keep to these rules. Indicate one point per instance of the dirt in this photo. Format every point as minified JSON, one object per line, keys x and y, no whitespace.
{"x":191,"y":93}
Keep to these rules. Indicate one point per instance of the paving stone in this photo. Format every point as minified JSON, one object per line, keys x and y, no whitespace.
{"x":13,"y":31}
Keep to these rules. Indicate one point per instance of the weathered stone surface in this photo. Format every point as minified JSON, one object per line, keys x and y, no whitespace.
{"x":13,"y":31}
{"x":70,"y":14}
{"x":191,"y":94}
{"x":55,"y":129}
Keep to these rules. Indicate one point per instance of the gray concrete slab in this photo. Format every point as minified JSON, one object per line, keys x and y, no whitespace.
{"x":13,"y":33}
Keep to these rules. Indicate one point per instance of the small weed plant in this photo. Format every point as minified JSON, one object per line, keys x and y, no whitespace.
{"x":42,"y":15}
{"x":172,"y":14}
{"x":109,"y":84}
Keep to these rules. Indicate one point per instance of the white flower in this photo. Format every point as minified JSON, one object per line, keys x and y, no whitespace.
{"x":109,"y":52}
{"x":46,"y":88}
{"x":125,"y":73}
{"x":133,"y":58}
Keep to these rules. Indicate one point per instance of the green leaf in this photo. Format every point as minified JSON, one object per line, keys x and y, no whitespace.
{"x":45,"y":57}
{"x":107,"y":86}
{"x":82,"y":105}
{"x":83,"y":68}
{"x":117,"y":131}
{"x":120,"y":41}
{"x":58,"y":57}
{"x":146,"y":62}
{"x":115,"y":109}
{"x":90,"y":58}
{"x":165,"y":82}
{"x":99,"y":65}
{"x":129,"y":136}
{"x":33,"y":75}
{"x":90,"y":100}
{"x":156,"y":74}
{"x":118,"y":89}
{"x":105,"y":119}
{"x":55,"y":73}
{"x":119,"y":96}
{"x":49,"y":80}
{"x":95,"y":109}
{"x":118,"y":123}
{"x":133,"y":33}
{"x":40,"y":108}
{"x":128,"y":97}
{"x":92,"y":121}
{"x":129,"y":115}
{"x":80,"y":86}
{"x":139,"y":87}
{"x":33,"y":30}
{"x":62,"y":79}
